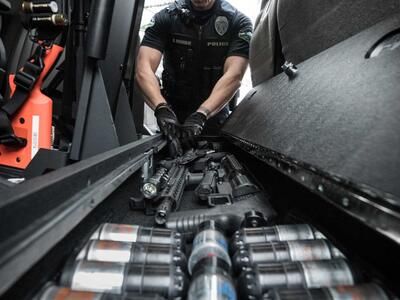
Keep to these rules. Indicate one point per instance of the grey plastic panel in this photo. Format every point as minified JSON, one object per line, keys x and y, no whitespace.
{"x":341,"y":113}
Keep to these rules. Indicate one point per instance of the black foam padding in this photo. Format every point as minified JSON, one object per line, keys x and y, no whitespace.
{"x":308,"y":27}
{"x":340,"y":114}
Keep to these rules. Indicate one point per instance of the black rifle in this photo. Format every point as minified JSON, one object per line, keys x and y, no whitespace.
{"x":234,"y":196}
{"x":170,"y":197}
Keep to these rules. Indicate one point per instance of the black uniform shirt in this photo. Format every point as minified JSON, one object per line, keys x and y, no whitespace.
{"x":195,"y":46}
{"x":158,"y":31}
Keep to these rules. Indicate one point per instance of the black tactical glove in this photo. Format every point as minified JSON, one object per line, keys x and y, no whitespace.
{"x":166,"y":120}
{"x":168,"y":123}
{"x":174,"y":147}
{"x":193,"y":126}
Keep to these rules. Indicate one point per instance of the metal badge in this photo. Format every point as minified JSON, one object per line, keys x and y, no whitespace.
{"x":221,"y":25}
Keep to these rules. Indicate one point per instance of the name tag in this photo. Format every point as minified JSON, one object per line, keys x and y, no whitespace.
{"x":181,"y":42}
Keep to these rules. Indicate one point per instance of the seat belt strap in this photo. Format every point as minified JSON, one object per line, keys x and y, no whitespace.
{"x":24,"y":80}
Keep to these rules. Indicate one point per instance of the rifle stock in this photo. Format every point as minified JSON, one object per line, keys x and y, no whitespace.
{"x":230,"y":217}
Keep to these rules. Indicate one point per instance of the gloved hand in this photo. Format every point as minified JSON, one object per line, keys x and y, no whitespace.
{"x":168,"y":123}
{"x":192,"y":127}
{"x":174,"y":147}
{"x":166,"y":120}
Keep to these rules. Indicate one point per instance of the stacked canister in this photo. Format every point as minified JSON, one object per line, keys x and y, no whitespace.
{"x":210,"y":265}
{"x":125,"y":262}
{"x":288,"y":262}
{"x":283,"y":262}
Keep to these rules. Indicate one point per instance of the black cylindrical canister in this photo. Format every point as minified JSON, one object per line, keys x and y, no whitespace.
{"x":116,"y":278}
{"x":272,"y":234}
{"x":258,"y":280}
{"x":137,"y":234}
{"x":138,"y":253}
{"x":52,"y":292}
{"x":270,"y":252}
{"x":368,"y":291}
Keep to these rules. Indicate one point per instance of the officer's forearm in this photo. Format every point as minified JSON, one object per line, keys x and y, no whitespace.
{"x":148,"y":83}
{"x":223,"y":91}
{"x":226,"y":87}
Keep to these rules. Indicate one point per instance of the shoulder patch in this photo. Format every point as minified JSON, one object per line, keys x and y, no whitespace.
{"x":245,"y":35}
{"x":150,"y":24}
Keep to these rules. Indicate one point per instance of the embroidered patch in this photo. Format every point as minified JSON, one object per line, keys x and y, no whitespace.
{"x":221,"y":25}
{"x":150,"y":24}
{"x":245,"y":35}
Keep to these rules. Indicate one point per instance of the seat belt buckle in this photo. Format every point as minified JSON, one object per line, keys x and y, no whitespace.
{"x":27,"y":77}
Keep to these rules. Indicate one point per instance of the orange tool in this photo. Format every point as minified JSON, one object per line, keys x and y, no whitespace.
{"x":33,"y":121}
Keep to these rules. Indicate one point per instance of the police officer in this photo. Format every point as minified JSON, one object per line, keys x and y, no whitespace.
{"x":205,"y":47}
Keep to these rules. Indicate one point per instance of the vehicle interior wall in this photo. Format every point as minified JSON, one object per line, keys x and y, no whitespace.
{"x":338,"y":113}
{"x":368,"y":250}
{"x":329,"y":124}
{"x":295,"y":31}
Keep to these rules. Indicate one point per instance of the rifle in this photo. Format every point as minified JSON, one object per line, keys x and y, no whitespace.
{"x":167,"y":184}
{"x":223,"y":184}
{"x":178,"y":177}
{"x":171,"y":195}
{"x":231,"y":196}
{"x":229,"y":216}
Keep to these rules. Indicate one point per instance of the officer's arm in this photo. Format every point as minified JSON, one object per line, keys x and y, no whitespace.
{"x":147,"y":63}
{"x":226,"y":87}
